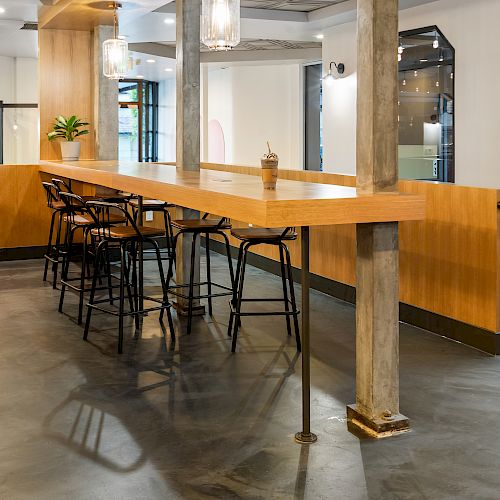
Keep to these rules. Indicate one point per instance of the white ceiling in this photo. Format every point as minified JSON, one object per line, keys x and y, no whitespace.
{"x":257,"y":23}
{"x":15,"y":42}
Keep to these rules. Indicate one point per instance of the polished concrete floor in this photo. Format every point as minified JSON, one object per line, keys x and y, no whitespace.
{"x":193,"y":421}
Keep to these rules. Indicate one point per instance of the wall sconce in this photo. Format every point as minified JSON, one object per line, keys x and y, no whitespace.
{"x":339,"y":68}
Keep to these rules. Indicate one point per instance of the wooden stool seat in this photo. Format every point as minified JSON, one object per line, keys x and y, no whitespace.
{"x":87,"y":220}
{"x":263,"y":233}
{"x":149,"y":204}
{"x":127,"y":232}
{"x":201,"y":225}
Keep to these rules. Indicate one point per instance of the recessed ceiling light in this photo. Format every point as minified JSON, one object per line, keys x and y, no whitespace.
{"x":319,"y":36}
{"x":169,"y":20}
{"x":150,"y":60}
{"x":168,"y":69}
{"x":424,"y":60}
{"x":2,"y":10}
{"x":140,"y":77}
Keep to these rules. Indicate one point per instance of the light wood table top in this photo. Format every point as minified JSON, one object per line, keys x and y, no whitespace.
{"x":242,"y":197}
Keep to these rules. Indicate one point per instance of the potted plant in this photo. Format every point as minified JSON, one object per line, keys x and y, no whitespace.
{"x":68,"y":129}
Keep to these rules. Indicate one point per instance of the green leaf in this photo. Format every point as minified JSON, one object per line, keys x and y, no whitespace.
{"x":81,"y":132}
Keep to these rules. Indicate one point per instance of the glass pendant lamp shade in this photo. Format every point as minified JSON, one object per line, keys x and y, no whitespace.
{"x":115,"y":52}
{"x":115,"y":58}
{"x":220,"y":24}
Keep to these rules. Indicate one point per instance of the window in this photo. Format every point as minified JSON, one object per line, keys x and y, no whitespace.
{"x":138,"y":120}
{"x":426,"y":105}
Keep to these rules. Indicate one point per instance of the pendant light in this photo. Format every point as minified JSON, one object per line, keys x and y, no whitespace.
{"x":115,"y":51}
{"x":220,"y":24}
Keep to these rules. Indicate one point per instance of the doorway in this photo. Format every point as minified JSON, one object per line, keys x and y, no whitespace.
{"x":313,"y":126}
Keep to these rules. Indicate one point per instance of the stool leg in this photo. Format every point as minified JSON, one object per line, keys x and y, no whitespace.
{"x":58,"y":243}
{"x":134,"y":275}
{"x":65,"y":266}
{"x":98,"y":254}
{"x":209,"y":277}
{"x":239,"y":298}
{"x":191,"y":284}
{"x":165,"y":291}
{"x":82,"y":276}
{"x":170,"y":273}
{"x":121,"y":298}
{"x":285,"y":292}
{"x":235,"y":289}
{"x":229,"y":259}
{"x":129,"y":291}
{"x":107,"y":267}
{"x":49,"y":245}
{"x":292,"y":297}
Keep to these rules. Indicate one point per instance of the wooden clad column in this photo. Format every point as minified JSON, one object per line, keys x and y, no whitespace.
{"x":65,"y":85}
{"x":377,"y":269}
{"x":188,"y":125}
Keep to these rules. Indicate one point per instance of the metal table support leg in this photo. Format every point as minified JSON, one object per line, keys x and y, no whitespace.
{"x":141,"y":256}
{"x":306,"y":436}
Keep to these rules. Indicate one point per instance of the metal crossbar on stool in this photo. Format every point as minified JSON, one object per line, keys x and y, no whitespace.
{"x":197,"y":227}
{"x":126,"y":238}
{"x":262,"y":236}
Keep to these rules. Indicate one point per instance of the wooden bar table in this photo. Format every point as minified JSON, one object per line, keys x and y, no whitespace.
{"x":242,"y":197}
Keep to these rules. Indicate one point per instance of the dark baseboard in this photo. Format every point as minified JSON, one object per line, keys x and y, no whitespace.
{"x":22,"y":253}
{"x":473,"y":336}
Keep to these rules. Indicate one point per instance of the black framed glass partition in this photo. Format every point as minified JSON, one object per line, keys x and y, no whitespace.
{"x":19,"y":126}
{"x":426,"y":105}
{"x":138,"y":120}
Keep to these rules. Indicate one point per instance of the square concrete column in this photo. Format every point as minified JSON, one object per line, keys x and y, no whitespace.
{"x":377,"y":271}
{"x":105,"y":102}
{"x":188,"y":125}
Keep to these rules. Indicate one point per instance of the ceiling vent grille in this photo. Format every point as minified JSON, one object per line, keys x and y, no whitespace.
{"x":30,"y":26}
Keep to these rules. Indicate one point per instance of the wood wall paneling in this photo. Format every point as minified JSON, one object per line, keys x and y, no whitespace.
{"x":23,"y":209}
{"x":65,"y":85}
{"x":448,"y":262}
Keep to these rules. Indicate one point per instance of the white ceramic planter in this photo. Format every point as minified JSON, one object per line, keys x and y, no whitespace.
{"x":70,"y":151}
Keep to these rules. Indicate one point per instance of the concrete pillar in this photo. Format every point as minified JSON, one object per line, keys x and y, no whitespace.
{"x":105,"y":102}
{"x":187,"y":124}
{"x":377,"y":302}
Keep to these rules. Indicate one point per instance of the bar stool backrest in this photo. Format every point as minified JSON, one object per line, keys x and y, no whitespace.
{"x":288,"y":231}
{"x":74,"y":204}
{"x":221,"y":222}
{"x":62,"y":186}
{"x":100,"y":212}
{"x":51,"y":193}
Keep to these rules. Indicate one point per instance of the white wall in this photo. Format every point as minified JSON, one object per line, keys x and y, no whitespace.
{"x":19,"y":84}
{"x":255,"y":104}
{"x":166,"y":120}
{"x":472,"y":28}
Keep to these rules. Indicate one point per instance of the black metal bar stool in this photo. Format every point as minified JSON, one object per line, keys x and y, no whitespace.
{"x":58,"y":208}
{"x":126,"y":239}
{"x":161,"y":207}
{"x":197,"y":227}
{"x":250,"y":237}
{"x":77,"y":218}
